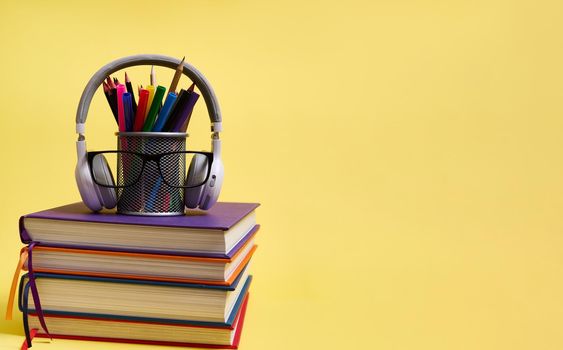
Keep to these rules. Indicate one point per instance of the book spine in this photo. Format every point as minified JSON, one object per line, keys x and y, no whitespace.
{"x":24,"y":235}
{"x":240,"y":323}
{"x":31,"y":285}
{"x":24,"y":310}
{"x":134,"y":341}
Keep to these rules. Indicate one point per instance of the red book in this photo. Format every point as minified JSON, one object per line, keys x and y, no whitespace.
{"x":136,"y":332}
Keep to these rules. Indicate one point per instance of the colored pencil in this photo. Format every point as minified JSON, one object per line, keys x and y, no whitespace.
{"x":110,"y":83}
{"x":130,"y":90}
{"x":128,"y":111}
{"x":165,"y":112}
{"x":120,"y":109}
{"x":153,"y":77}
{"x":177,"y":75}
{"x":155,"y":106}
{"x":112,"y":106}
{"x":184,"y":119}
{"x":140,"y":115}
{"x":175,"y":112}
{"x":150,"y":88}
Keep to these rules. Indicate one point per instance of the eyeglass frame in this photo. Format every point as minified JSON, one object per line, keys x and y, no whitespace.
{"x":149,"y":157}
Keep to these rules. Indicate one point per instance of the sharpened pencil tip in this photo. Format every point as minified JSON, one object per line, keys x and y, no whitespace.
{"x":152,"y":77}
{"x":179,"y":68}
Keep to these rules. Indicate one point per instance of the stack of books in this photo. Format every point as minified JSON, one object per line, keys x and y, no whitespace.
{"x":181,"y":280}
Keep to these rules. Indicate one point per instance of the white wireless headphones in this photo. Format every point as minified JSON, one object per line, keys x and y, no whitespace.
{"x":97,"y":197}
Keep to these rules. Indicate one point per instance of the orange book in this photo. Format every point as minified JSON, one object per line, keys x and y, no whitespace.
{"x":130,"y":265}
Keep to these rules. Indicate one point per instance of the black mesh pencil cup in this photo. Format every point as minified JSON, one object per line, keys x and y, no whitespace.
{"x":151,"y":167}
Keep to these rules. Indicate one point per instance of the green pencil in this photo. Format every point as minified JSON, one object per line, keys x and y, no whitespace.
{"x":155,"y":106}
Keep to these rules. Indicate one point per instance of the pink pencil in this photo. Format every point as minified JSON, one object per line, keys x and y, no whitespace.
{"x":120,"y":110}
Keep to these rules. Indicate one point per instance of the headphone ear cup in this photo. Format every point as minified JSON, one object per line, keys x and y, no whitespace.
{"x":196,"y":174}
{"x":86,"y":185}
{"x":212,"y":188}
{"x":103,"y":175}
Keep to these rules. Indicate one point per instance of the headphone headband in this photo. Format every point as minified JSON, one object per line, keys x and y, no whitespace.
{"x":156,"y":60}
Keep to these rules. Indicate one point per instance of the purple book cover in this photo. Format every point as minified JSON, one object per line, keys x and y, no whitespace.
{"x":222,"y":216}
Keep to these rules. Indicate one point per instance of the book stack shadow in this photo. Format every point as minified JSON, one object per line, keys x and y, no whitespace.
{"x":178,"y":280}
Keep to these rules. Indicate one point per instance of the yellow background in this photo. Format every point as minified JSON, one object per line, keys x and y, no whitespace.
{"x":407,"y":155}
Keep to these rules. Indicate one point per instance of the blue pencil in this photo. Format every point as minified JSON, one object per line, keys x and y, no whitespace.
{"x":165,"y":112}
{"x":128,"y":110}
{"x":153,"y":195}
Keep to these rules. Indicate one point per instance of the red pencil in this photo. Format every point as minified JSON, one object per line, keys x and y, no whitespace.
{"x":110,"y":83}
{"x":141,"y":109}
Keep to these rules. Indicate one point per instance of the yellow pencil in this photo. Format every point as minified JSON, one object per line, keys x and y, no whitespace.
{"x":150,"y":88}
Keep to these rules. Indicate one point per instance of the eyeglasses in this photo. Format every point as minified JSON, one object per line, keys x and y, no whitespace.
{"x":131,"y":167}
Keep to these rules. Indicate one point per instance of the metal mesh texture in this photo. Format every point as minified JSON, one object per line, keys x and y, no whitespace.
{"x":151,"y":195}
